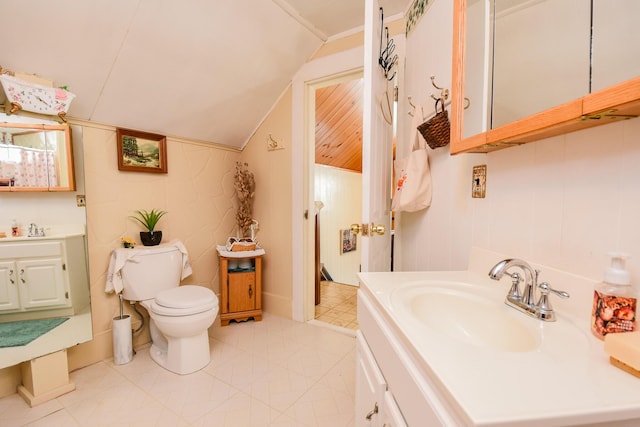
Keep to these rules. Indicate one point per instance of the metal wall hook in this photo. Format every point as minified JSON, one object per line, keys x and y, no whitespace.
{"x":413,"y":106}
{"x":444,"y":93}
{"x":387,"y":60}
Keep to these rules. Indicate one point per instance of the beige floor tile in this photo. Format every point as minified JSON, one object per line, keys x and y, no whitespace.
{"x":276,"y":372}
{"x":335,"y":301}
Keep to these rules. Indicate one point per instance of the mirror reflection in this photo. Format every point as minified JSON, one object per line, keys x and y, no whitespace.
{"x":540,"y":56}
{"x":44,"y":275}
{"x":35,"y":157}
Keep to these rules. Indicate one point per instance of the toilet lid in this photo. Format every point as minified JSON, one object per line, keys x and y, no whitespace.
{"x":184,"y":300}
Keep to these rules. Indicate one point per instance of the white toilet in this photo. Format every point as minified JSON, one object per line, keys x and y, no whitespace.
{"x":180,"y":315}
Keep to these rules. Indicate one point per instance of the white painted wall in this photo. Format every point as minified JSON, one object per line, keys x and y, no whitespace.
{"x":437,"y":238}
{"x":341,"y":192}
{"x":563,"y":202}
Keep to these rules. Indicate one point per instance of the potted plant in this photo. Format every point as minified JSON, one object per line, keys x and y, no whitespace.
{"x":149,"y":219}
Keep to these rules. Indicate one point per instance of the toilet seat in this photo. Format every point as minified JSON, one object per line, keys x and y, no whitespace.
{"x":184,"y":301}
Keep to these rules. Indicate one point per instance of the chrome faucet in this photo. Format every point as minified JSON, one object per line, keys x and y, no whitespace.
{"x":525,"y":302}
{"x":34,"y":231}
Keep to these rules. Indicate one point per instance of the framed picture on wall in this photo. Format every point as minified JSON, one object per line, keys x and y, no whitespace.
{"x":348,"y":241}
{"x":141,"y":151}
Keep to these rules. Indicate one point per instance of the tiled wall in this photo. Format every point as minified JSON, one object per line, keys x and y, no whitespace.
{"x":565,"y":201}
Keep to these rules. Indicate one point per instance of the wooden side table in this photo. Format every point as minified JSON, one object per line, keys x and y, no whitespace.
{"x":241,"y":291}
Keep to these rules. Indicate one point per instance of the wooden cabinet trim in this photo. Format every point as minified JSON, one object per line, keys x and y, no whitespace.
{"x":591,"y":110}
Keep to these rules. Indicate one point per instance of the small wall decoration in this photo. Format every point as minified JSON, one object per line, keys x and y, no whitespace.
{"x":141,"y":151}
{"x":348,"y":241}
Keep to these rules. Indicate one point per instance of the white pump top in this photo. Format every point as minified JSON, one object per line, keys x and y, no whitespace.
{"x":616,"y":274}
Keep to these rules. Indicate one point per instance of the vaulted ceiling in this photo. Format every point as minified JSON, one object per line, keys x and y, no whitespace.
{"x":202,"y":70}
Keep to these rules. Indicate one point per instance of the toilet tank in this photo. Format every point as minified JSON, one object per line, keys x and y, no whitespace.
{"x":151,"y":270}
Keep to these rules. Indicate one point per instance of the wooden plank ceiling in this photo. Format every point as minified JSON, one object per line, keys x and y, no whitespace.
{"x":339,"y":125}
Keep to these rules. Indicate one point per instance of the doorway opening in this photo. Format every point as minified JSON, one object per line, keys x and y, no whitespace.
{"x":335,"y":111}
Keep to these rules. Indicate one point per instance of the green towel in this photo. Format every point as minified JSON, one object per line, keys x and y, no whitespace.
{"x":14,"y":334}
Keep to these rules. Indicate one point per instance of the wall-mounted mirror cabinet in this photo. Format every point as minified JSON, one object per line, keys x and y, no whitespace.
{"x":538,"y":68}
{"x":36,"y":157}
{"x":47,"y":275}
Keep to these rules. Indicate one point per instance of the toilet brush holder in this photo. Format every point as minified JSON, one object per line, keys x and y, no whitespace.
{"x":122,"y":340}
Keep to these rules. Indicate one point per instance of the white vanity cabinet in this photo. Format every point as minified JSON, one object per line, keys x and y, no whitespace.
{"x":410,"y":351}
{"x":38,"y":276}
{"x":33,"y":283}
{"x":375,"y":404}
{"x":388,"y":373}
{"x":9,"y":299}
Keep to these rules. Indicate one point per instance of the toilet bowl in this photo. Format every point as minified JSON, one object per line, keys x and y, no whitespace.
{"x":179,"y":338}
{"x":180,"y":315}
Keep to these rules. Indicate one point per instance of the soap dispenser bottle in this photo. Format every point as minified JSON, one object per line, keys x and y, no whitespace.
{"x":614,"y":300}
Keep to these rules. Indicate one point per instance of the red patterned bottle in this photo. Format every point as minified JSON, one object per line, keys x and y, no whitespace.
{"x":614,"y":300}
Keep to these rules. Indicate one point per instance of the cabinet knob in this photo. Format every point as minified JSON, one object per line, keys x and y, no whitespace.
{"x":250,"y":291}
{"x":11,"y":277}
{"x":372,"y":412}
{"x":22,"y":275}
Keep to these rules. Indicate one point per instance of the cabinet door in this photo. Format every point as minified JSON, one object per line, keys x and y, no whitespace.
{"x":41,"y":283}
{"x":390,"y":415}
{"x":370,"y":386}
{"x":242,"y":291}
{"x":8,"y":286}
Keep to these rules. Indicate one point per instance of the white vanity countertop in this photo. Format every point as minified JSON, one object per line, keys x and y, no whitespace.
{"x":567,"y":380}
{"x":51,"y":232}
{"x":10,"y":239}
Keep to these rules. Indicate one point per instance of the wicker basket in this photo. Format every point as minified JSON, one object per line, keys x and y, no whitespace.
{"x":243,"y":246}
{"x":436,"y":130}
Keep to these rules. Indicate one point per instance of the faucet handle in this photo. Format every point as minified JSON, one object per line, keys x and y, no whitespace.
{"x":545,"y":311}
{"x":514,"y":292}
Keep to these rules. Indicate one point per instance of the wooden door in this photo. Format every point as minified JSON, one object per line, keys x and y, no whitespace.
{"x":377,"y":136}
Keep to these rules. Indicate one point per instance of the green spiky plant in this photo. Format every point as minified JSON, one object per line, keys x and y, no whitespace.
{"x":149,"y":219}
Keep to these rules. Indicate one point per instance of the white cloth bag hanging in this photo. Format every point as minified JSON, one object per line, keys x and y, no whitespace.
{"x":412,"y":173}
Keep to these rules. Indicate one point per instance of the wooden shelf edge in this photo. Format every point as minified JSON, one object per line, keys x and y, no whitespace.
{"x":622,"y":95}
{"x":619,"y":102}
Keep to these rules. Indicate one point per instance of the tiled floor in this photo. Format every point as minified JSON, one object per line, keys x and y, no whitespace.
{"x":338,"y":305}
{"x":276,"y":372}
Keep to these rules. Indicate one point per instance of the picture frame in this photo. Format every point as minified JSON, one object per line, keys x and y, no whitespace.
{"x":348,"y":241}
{"x":141,"y":151}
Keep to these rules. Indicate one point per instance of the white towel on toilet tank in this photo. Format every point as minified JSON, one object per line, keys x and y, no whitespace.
{"x":119,"y":257}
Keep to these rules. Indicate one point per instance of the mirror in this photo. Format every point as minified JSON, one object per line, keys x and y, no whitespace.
{"x":35,"y":157}
{"x":538,"y":67}
{"x":60,"y":256}
{"x":616,"y":36}
{"x":515,"y":67}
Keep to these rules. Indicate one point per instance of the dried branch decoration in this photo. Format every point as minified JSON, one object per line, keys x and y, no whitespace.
{"x":245,"y":190}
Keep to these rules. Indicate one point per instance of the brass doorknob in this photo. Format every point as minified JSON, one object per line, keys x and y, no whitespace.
{"x":378,"y":229}
{"x":356,"y":228}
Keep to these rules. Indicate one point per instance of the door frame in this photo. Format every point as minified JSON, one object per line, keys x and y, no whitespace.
{"x":320,"y":72}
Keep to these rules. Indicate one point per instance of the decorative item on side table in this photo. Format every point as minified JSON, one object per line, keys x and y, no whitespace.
{"x":149,"y":219}
{"x":245,"y":190}
{"x":241,"y":258}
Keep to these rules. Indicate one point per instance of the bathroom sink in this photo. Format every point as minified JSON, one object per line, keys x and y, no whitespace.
{"x":472,"y":314}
